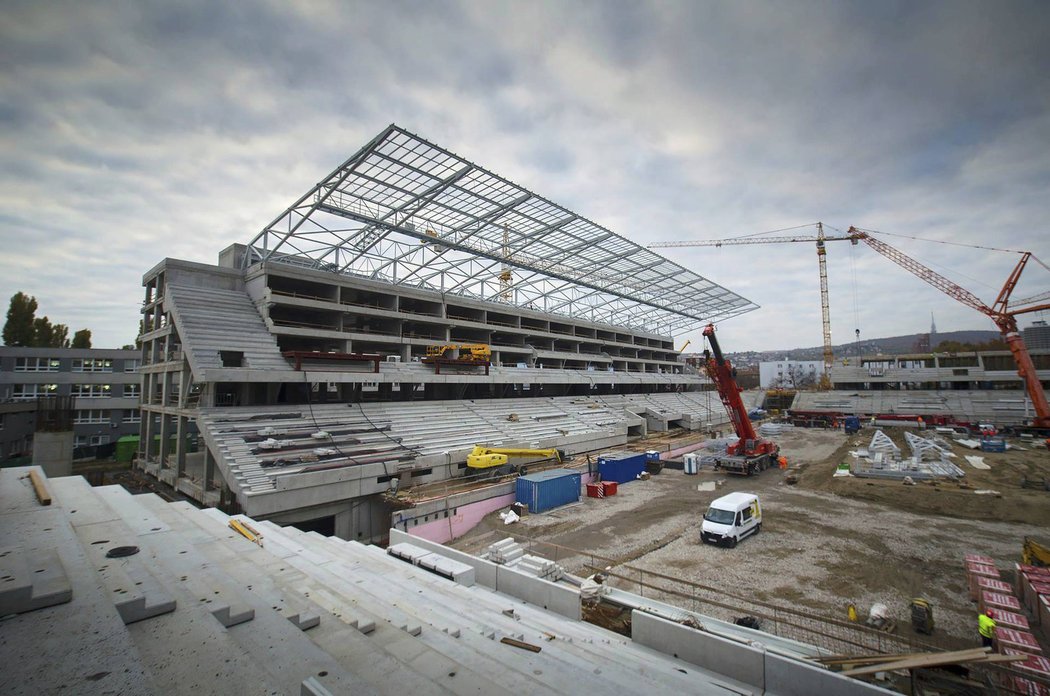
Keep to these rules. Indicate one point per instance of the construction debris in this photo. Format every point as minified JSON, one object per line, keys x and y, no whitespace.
{"x":976,"y":462}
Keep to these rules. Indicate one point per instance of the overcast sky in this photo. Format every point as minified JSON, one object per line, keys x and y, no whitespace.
{"x":130,"y":132}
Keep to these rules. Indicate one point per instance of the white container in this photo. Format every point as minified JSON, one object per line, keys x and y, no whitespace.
{"x":690,"y":463}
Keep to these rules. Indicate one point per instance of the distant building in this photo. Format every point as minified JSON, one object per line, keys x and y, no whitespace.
{"x":790,"y":374}
{"x":1037,"y":336}
{"x":104,"y":383}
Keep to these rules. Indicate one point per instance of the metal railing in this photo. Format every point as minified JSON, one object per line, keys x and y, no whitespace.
{"x":805,"y":626}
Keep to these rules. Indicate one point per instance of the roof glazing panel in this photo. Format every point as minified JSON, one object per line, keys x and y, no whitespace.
{"x":405,"y":211}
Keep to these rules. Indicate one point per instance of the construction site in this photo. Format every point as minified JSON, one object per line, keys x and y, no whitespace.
{"x":429,"y":431}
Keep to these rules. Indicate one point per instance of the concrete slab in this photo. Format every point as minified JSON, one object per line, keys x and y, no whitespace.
{"x":31,"y":580}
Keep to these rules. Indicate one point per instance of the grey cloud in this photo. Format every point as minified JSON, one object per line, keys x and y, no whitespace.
{"x":134,"y":131}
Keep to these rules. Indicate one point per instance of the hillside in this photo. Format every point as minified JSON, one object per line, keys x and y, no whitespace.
{"x":892,"y":345}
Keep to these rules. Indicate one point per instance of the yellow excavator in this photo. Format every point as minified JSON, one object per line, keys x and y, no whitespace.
{"x":482,"y":457}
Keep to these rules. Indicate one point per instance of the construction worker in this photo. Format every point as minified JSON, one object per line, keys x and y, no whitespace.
{"x":986,"y":627}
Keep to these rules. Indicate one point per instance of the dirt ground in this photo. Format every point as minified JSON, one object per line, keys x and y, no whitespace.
{"x":825,"y":542}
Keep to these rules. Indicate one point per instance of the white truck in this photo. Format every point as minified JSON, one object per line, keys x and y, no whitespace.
{"x":731,"y":518}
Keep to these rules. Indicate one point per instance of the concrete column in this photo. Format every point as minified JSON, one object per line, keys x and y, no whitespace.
{"x":180,"y":446}
{"x":209,"y":470}
{"x":344,"y":523}
{"x":53,"y":452}
{"x":147,"y":430}
{"x":162,"y":447}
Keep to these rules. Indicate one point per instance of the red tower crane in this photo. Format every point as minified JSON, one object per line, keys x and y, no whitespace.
{"x":999,"y":313}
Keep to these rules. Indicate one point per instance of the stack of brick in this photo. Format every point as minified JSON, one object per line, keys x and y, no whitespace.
{"x":1013,"y":635}
{"x":1032,"y":585}
{"x":979,"y":567}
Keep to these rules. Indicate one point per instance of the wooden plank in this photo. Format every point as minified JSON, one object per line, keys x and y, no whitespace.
{"x":933,"y":660}
{"x":862,"y":659}
{"x":920,"y":660}
{"x":520,"y":644}
{"x":40,"y":487}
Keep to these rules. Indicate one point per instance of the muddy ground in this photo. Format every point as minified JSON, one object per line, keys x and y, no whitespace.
{"x":825,"y":542}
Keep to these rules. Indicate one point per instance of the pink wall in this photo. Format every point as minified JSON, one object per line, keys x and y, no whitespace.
{"x":467,"y":517}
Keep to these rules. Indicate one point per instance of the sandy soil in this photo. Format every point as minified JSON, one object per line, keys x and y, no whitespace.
{"x":825,"y":542}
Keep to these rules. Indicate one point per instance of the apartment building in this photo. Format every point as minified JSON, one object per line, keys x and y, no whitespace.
{"x":104,"y":383}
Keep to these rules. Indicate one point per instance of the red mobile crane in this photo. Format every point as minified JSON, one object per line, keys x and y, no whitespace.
{"x":750,"y":454}
{"x":1004,"y":317}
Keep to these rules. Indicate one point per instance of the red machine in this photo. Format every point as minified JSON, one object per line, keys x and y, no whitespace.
{"x":751,"y":453}
{"x":1002,"y":312}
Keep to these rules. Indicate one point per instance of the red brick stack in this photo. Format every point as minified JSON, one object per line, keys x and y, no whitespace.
{"x":1013,"y":634}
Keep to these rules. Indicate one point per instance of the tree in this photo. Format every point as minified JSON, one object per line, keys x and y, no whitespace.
{"x":82,"y":339}
{"x":48,"y":335}
{"x":19,"y":329}
{"x":25,"y":328}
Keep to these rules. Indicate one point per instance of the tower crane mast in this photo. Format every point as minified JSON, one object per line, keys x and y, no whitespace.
{"x":822,"y":264}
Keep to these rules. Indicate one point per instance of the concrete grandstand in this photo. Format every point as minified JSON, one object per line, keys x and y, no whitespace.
{"x":302,"y":357}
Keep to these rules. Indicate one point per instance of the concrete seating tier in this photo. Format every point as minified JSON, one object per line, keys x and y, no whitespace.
{"x":999,"y":407}
{"x":297,"y":613}
{"x":400,"y":433}
{"x":210,"y":320}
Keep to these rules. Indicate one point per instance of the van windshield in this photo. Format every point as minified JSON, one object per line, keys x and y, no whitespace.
{"x":719,"y":516}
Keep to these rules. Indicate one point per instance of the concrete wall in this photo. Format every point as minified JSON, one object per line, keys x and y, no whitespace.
{"x":542,"y":593}
{"x":735,"y":660}
{"x":749,"y":664}
{"x":468,"y":514}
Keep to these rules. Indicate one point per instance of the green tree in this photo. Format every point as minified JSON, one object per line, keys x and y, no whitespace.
{"x":82,"y":339}
{"x":19,"y":329}
{"x":48,"y":335}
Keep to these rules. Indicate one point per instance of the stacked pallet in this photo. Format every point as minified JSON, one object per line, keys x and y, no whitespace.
{"x":1013,"y":635}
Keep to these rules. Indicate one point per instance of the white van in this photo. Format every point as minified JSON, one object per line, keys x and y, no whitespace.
{"x":731,"y":518}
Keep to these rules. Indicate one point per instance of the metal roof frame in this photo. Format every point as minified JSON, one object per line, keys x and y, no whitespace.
{"x":408,"y":212}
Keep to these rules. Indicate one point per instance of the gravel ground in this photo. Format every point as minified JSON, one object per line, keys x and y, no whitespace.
{"x":818,"y":550}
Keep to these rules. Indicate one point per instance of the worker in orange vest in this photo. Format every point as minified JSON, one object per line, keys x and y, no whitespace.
{"x":986,"y":627}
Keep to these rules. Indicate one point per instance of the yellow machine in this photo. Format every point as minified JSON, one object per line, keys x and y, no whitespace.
{"x":1034,"y":553}
{"x":467,"y":351}
{"x":489,"y":457}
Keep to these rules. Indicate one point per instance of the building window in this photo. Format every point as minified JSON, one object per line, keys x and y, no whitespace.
{"x":131,"y":365}
{"x":92,"y":391}
{"x":92,"y":365}
{"x":90,"y":440}
{"x":133,"y":390}
{"x":132,"y":416}
{"x":33,"y":391}
{"x":91,"y":416}
{"x":36,"y":364}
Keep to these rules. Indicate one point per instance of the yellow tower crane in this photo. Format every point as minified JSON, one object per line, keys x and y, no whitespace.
{"x":820,"y":238}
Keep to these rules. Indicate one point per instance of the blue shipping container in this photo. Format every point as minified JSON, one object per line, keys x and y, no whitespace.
{"x":549,"y":489}
{"x":621,"y":467}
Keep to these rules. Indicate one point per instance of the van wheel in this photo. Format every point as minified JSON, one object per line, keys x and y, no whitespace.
{"x":732,"y":542}
{"x":758,"y":528}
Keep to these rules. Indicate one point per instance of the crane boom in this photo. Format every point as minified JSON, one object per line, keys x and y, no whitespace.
{"x":748,"y":240}
{"x":1005,"y":320}
{"x":750,"y":454}
{"x":822,"y":266}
